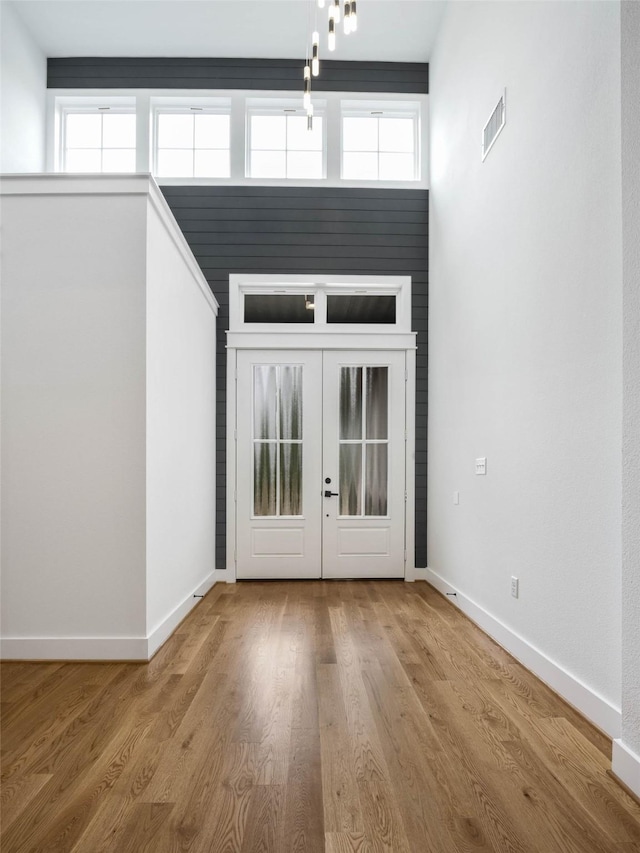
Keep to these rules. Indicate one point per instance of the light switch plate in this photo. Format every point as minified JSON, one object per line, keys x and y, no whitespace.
{"x":456,"y":498}
{"x":481,"y":465}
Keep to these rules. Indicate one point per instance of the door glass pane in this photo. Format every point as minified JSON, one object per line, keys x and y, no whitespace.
{"x":350,"y":479}
{"x":291,"y":401}
{"x":264,"y":478}
{"x":377,"y":381}
{"x":290,"y":479}
{"x":350,"y":402}
{"x":375,"y":494}
{"x":264,"y":401}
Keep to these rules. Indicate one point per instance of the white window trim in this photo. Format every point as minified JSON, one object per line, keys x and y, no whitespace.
{"x":279,"y":108}
{"x":340,"y":338}
{"x":144,"y":98}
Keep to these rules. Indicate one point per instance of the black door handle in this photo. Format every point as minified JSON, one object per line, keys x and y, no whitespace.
{"x":328,"y":494}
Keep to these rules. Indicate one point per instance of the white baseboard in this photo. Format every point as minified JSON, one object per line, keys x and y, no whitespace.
{"x":625,"y":764}
{"x":73,"y":648}
{"x":103,"y":648}
{"x":165,"y":629}
{"x":595,"y":707}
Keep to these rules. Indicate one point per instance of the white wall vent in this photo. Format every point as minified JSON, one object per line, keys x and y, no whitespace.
{"x":492,"y":128}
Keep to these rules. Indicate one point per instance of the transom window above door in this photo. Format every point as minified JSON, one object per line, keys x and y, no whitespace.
{"x":381,"y":303}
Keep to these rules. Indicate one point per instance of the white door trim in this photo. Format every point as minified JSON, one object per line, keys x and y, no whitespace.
{"x":389,"y":338}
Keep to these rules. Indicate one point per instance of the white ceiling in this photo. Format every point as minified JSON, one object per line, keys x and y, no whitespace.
{"x":388,"y":30}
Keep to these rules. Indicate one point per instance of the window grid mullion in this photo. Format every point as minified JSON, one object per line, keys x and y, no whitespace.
{"x":101,"y":141}
{"x":278,"y":440}
{"x":193,"y":145}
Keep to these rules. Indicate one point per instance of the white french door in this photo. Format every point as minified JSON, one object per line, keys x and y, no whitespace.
{"x":320,"y":464}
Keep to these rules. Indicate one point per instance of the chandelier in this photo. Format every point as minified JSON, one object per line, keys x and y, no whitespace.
{"x":336,"y":13}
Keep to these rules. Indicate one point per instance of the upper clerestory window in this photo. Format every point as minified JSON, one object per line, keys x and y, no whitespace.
{"x":193,"y":141}
{"x":232,"y":137}
{"x":380,"y":142}
{"x":281,"y":144}
{"x":99,"y":138}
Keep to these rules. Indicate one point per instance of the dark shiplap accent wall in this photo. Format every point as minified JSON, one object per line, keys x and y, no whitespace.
{"x":274,"y":74}
{"x":308,"y":230}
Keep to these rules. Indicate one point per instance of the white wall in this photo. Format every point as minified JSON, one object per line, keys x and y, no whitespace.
{"x":181,"y":448}
{"x":73,"y":422}
{"x":23,"y":83}
{"x":628,"y":765}
{"x":525,"y":335}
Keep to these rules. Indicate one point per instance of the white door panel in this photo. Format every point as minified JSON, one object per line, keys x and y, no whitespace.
{"x":279,"y":429}
{"x":364,"y":457}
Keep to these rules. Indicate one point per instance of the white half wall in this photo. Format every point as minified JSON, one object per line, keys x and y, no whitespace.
{"x":181,"y":428}
{"x":626,"y":756}
{"x":525,"y":331}
{"x":73,"y":417}
{"x":23,"y":89}
{"x":108,"y":419}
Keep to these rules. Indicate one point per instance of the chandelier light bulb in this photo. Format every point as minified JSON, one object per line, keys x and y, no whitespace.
{"x":336,"y":11}
{"x":315,"y":61}
{"x":306,"y":100}
{"x":347,"y":17}
{"x":354,"y":16}
{"x":332,"y":34}
{"x":320,"y":4}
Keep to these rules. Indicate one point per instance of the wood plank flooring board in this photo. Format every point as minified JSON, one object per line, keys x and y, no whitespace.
{"x":304,"y":819}
{"x":367,"y":755}
{"x":319,"y":717}
{"x":342,"y":811}
{"x":417,"y":787}
{"x":17,"y":794}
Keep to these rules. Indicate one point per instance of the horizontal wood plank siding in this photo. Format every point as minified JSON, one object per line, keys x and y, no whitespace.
{"x":260,"y":74}
{"x":309,"y":230}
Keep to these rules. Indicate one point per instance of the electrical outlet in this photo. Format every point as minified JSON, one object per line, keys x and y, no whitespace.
{"x":481,"y":465}
{"x":515,"y":587}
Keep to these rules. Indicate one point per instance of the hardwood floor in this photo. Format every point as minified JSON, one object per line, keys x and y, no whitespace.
{"x":309,"y":716}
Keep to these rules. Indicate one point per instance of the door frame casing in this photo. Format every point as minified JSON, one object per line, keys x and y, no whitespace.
{"x":280,"y":338}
